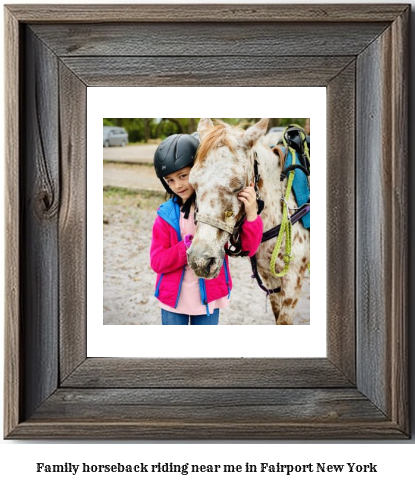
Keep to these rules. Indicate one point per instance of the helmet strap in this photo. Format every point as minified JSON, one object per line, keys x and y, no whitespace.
{"x":187,"y":205}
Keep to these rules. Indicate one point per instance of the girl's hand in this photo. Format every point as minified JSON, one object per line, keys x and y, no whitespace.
{"x":248,"y":197}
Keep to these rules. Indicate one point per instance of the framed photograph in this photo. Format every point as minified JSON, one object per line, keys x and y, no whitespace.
{"x":132,"y":194}
{"x":359,"y":390}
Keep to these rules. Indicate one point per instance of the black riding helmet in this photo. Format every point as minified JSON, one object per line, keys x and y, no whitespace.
{"x":174,"y":153}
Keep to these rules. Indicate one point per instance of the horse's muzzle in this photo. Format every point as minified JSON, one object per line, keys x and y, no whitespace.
{"x":204,"y":265}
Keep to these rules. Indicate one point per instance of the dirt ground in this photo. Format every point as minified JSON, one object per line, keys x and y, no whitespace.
{"x":129,"y":212}
{"x":133,"y":153}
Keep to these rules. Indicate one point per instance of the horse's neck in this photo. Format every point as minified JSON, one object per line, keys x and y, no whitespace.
{"x":270,"y":170}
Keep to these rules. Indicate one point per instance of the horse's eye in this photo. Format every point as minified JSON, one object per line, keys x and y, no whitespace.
{"x":228,"y":214}
{"x":239,"y":189}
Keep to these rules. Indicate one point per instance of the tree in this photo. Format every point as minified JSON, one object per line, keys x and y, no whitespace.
{"x":192,"y":125}
{"x":176,"y":122}
{"x":274,"y":123}
{"x":147,"y":130}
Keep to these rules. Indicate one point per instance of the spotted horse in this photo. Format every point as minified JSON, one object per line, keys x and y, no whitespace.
{"x":228,"y":159}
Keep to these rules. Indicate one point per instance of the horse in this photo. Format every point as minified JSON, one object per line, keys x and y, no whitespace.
{"x":224,"y":165}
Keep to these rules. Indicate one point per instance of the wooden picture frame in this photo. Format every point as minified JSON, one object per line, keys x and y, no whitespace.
{"x":360,"y":53}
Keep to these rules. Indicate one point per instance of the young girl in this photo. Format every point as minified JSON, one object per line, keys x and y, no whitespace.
{"x":178,"y":289}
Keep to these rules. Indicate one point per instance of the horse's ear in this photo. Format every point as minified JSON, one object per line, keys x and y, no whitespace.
{"x":255,"y":132}
{"x":204,"y":126}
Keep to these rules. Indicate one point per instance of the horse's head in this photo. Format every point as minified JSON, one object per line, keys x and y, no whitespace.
{"x":223,"y":167}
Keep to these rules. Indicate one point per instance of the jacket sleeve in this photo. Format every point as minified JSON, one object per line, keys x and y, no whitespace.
{"x":165,"y":257}
{"x":251,"y":235}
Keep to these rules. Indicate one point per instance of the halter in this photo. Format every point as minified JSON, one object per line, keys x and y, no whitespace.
{"x":219,"y":224}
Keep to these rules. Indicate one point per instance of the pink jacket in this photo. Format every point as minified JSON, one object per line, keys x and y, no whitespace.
{"x":168,"y":257}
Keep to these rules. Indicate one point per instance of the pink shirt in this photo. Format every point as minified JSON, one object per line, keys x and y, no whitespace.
{"x":189,"y":300}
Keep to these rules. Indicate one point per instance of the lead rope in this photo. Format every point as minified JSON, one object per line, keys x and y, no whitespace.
{"x":286,"y":225}
{"x":285,"y":229}
{"x":307,"y":152}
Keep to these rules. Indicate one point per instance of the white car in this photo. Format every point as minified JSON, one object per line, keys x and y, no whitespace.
{"x":115,"y":136}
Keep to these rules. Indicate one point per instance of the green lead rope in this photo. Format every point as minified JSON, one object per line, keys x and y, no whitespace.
{"x":285,"y":229}
{"x":286,"y":225}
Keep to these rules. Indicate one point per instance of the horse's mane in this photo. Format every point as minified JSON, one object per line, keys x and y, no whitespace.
{"x":219,"y":135}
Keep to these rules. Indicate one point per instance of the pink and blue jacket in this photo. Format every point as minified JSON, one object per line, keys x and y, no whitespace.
{"x":168,"y":257}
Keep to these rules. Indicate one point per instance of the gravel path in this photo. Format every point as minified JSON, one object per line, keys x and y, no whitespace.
{"x":133,"y":153}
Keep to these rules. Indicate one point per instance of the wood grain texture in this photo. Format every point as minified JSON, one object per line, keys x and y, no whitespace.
{"x":205,"y":13}
{"x":13,"y":383}
{"x":213,"y":405}
{"x":209,"y":39}
{"x":206,"y":373}
{"x":40,"y":206}
{"x":400,"y":246}
{"x":382,"y":222}
{"x":213,"y":431}
{"x":341,"y":237}
{"x":374,"y":214}
{"x":52,"y":391}
{"x":201,"y":71}
{"x":72,"y":222}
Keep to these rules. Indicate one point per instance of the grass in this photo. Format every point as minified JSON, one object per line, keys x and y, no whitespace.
{"x":142,"y":143}
{"x":144,"y":199}
{"x":127,"y":163}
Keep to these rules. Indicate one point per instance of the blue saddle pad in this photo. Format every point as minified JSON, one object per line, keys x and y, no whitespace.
{"x":300,"y":187}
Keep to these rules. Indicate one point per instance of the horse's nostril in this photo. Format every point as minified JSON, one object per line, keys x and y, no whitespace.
{"x":209,"y":263}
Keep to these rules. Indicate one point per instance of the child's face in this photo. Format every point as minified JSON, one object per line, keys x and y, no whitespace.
{"x":179,"y":183}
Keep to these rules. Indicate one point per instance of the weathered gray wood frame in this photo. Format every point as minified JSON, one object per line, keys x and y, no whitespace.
{"x":360,"y":53}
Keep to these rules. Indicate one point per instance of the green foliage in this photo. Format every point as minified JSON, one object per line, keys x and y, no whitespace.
{"x":141,"y":130}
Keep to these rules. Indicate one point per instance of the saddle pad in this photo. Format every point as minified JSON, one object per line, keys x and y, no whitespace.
{"x":300,"y":187}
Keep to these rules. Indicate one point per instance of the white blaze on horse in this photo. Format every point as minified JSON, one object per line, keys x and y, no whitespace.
{"x":223,"y":167}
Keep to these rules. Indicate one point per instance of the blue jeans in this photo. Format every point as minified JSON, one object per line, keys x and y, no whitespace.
{"x":172,"y":318}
